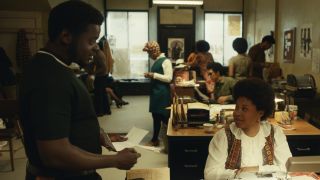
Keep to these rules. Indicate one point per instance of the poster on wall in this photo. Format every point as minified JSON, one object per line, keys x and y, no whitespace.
{"x":234,"y":25}
{"x":270,"y":52}
{"x":175,"y":48}
{"x":289,"y":45}
{"x":306,"y":41}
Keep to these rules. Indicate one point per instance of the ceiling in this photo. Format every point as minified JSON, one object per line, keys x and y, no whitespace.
{"x":24,"y":5}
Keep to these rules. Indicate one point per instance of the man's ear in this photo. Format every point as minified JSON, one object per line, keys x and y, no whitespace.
{"x":66,"y":37}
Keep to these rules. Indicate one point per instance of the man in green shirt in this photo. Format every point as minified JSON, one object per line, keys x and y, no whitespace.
{"x":219,"y":87}
{"x":62,"y":135}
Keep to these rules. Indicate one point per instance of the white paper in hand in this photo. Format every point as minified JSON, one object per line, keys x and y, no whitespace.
{"x":135,"y":136}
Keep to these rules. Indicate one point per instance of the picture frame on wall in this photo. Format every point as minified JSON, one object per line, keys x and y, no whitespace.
{"x":306,"y":41}
{"x":289,"y":45}
{"x":175,"y":48}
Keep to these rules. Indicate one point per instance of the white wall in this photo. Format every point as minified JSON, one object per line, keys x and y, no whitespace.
{"x":223,"y":5}
{"x":209,"y":5}
{"x":11,"y":22}
{"x":259,"y":19}
{"x":296,"y":13}
{"x":262,"y":16}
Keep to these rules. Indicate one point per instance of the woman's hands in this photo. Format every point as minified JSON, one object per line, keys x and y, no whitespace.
{"x":247,"y":169}
{"x":148,"y":75}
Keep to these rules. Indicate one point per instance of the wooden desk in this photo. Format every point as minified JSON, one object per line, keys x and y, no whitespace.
{"x":149,"y":174}
{"x":301,"y":127}
{"x":188,"y":147}
{"x":304,"y":139}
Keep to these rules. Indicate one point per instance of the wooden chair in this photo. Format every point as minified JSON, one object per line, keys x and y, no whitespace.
{"x":9,"y":111}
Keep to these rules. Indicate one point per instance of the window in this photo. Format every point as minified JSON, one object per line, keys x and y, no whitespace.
{"x":127,"y":33}
{"x":220,"y":31}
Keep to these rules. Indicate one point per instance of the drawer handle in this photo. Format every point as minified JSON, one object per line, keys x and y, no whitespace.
{"x":191,"y":150}
{"x":190,"y":165}
{"x":304,"y":149}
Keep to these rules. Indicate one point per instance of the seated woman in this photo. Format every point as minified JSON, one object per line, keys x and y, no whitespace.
{"x":199,"y":60}
{"x":112,"y":90}
{"x":250,"y":143}
{"x":107,"y":83}
{"x":239,"y":64}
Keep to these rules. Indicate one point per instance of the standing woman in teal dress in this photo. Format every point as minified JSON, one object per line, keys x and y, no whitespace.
{"x":161,"y":76}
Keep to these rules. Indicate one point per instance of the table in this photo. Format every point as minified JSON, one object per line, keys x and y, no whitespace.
{"x":149,"y":174}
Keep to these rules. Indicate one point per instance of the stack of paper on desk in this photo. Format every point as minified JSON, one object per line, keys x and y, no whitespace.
{"x":198,"y":105}
{"x":135,"y":135}
{"x":184,"y":83}
{"x":216,"y":108}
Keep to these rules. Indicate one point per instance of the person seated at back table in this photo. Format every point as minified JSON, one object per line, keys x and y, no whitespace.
{"x":239,"y":64}
{"x":108,"y":84}
{"x":199,"y":59}
{"x":219,"y":88}
{"x":250,"y":143}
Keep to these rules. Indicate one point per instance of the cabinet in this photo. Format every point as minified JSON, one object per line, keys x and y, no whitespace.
{"x":187,"y":157}
{"x":304,"y":145}
{"x":134,"y":87}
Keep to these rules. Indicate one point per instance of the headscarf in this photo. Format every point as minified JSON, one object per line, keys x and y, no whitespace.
{"x":153,"y":48}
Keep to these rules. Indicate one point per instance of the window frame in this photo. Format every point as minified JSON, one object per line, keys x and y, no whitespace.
{"x":223,"y":13}
{"x":127,"y":11}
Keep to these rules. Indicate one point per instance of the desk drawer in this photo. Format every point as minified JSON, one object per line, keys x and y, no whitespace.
{"x":305,"y":146}
{"x":187,"y":170}
{"x":187,"y":158}
{"x":191,"y":151}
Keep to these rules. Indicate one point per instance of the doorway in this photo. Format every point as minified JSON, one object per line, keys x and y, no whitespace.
{"x":177,"y":42}
{"x":176,"y":32}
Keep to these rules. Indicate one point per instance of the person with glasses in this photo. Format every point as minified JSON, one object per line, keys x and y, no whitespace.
{"x":219,"y":87}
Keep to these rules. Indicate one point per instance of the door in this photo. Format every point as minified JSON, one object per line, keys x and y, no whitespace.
{"x":176,"y":41}
{"x":176,"y":31}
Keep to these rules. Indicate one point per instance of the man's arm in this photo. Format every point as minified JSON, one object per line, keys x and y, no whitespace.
{"x":231,"y":70}
{"x":61,"y":154}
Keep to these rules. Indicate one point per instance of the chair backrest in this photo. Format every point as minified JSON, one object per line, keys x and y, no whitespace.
{"x":9,"y":113}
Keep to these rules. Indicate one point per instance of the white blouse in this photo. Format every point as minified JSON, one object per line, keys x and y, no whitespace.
{"x":167,"y":70}
{"x":251,"y":149}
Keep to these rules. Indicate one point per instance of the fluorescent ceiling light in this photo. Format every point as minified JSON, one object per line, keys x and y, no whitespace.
{"x":181,"y":2}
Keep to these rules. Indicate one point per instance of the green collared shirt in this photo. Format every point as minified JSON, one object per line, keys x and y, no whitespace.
{"x":224,"y":87}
